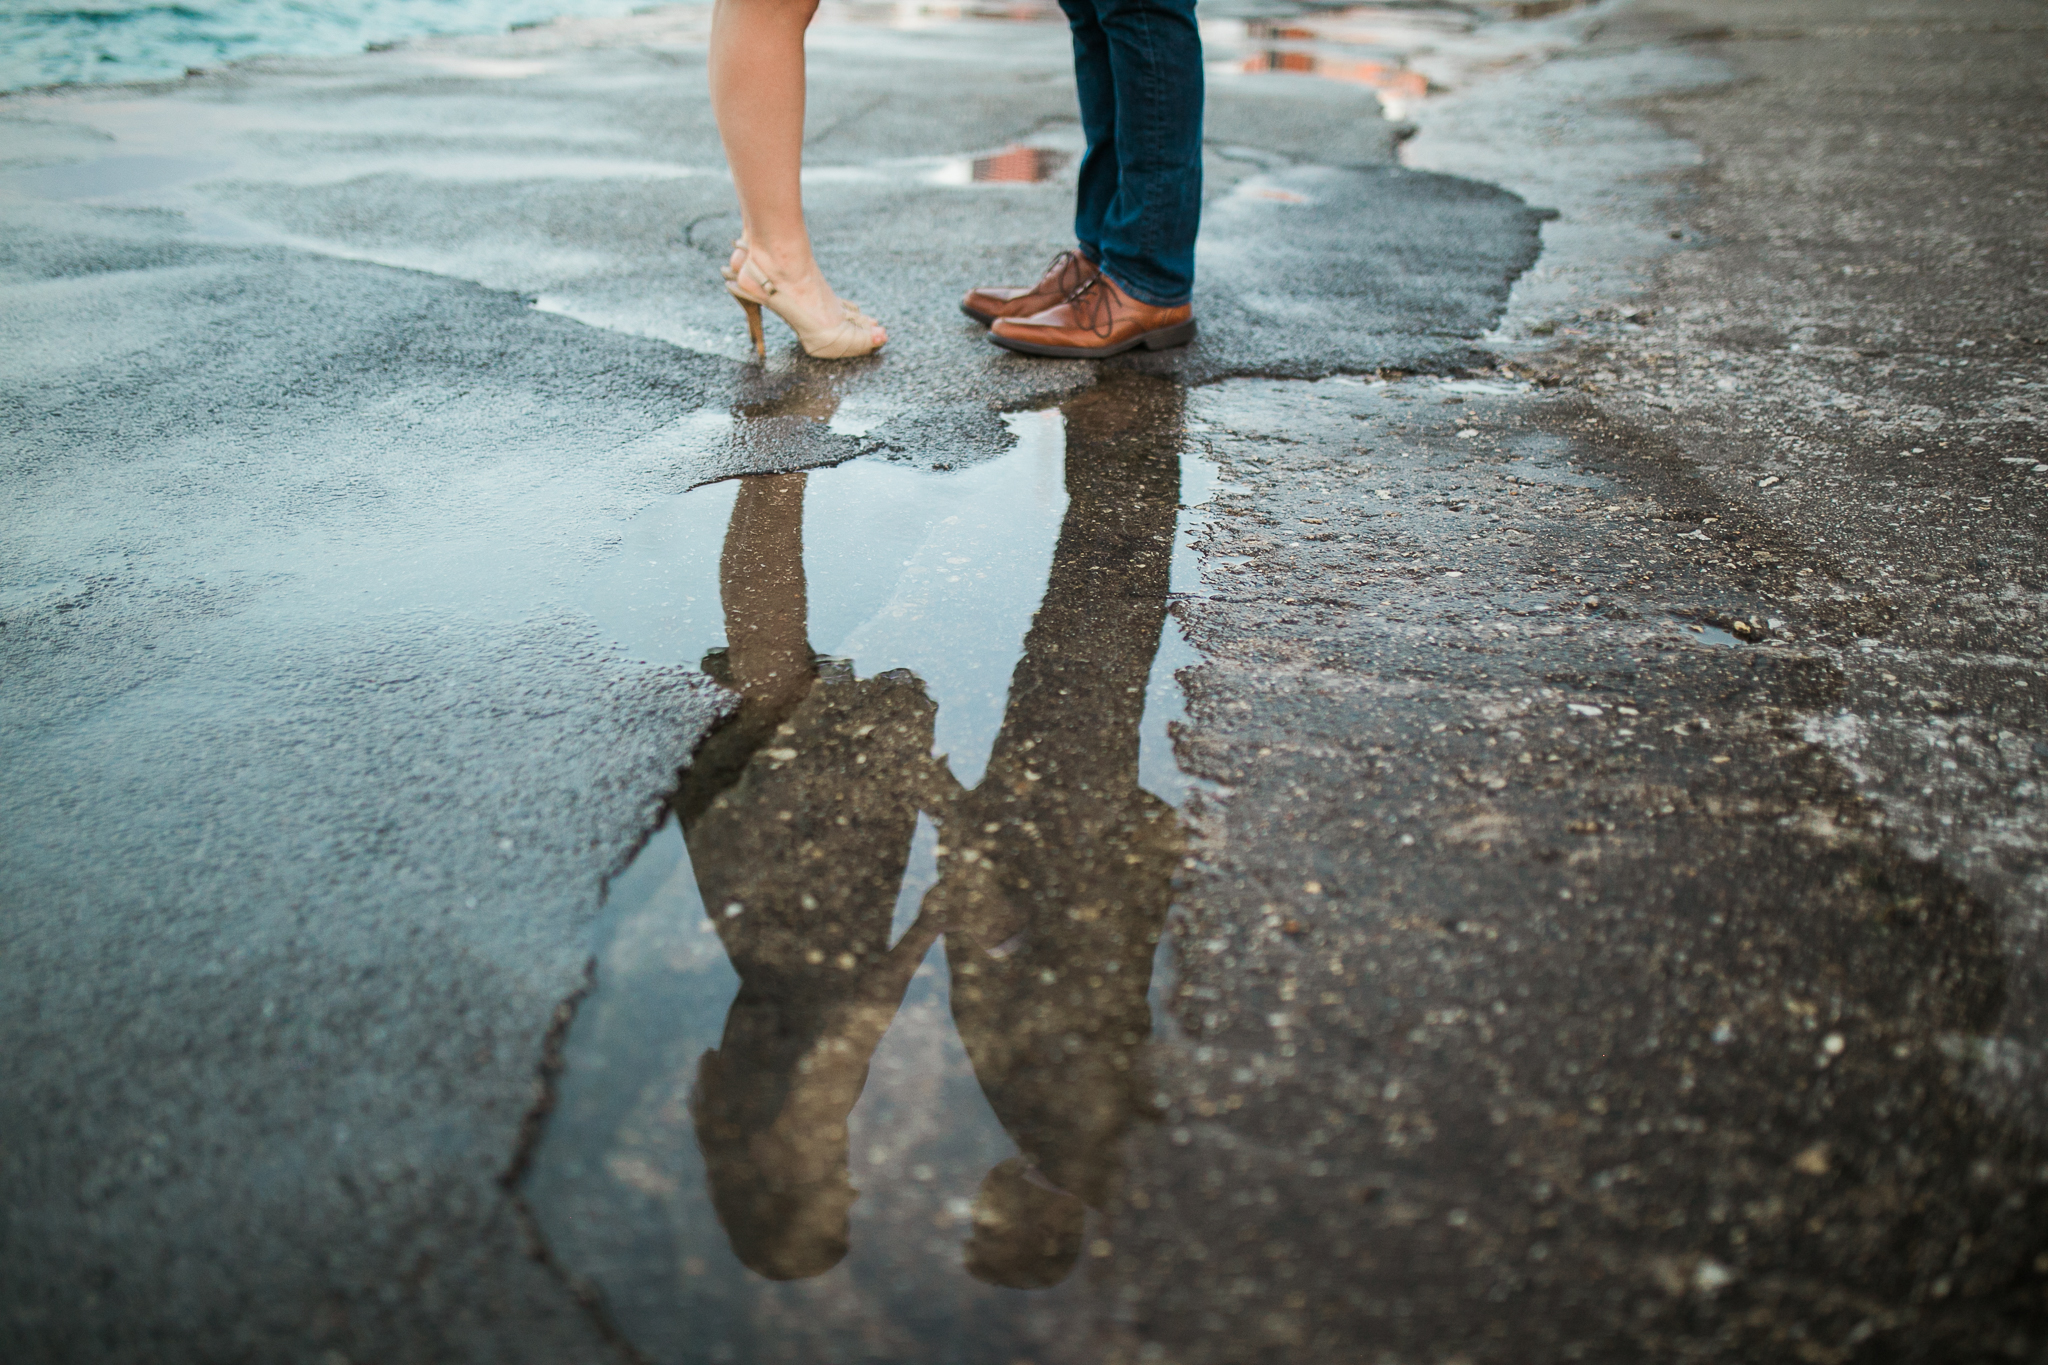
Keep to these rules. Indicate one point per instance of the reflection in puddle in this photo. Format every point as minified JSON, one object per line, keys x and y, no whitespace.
{"x":1010,"y":166}
{"x":1388,"y":77}
{"x":1021,"y":165}
{"x":870,"y":1026}
{"x":1403,"y":53}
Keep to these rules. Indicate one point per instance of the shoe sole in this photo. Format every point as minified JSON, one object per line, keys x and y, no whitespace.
{"x":1158,"y":339}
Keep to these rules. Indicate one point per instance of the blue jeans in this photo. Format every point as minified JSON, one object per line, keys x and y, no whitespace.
{"x":1139,"y":67}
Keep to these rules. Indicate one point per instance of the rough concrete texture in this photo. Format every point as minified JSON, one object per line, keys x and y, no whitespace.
{"x":307,"y":790}
{"x":1613,"y":932}
{"x":1682,"y":998}
{"x":1575,"y":989}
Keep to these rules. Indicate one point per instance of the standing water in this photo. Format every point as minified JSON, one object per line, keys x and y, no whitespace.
{"x":870,"y":1033}
{"x":145,"y":40}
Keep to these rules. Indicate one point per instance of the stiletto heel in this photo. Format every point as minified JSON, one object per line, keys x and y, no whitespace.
{"x":753,"y":312}
{"x":843,"y":337}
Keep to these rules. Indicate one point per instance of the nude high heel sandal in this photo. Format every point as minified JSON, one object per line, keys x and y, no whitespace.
{"x":853,"y":309}
{"x":825,"y":338}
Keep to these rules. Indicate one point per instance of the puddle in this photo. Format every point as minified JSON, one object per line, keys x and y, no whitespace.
{"x":1013,"y":165}
{"x":1486,"y":388}
{"x":1707,"y":634}
{"x":910,"y":14}
{"x":1010,"y":166}
{"x":1403,"y":53}
{"x":868,"y":1030}
{"x":1389,"y":78}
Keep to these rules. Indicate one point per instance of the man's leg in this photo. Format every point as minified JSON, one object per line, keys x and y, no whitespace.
{"x":1138,"y":65}
{"x":1146,"y":237}
{"x":1100,"y":170}
{"x":1068,"y":272}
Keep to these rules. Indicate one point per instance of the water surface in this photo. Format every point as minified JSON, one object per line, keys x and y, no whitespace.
{"x":870,"y":1024}
{"x":137,"y":40}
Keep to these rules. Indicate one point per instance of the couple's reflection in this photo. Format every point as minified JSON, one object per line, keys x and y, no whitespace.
{"x":1054,"y":871}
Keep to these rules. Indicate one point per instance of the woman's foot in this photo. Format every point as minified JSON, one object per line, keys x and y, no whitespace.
{"x":798,"y":293}
{"x":734,"y":263}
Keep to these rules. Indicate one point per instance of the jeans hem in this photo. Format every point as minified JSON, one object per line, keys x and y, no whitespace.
{"x":1144,"y":296}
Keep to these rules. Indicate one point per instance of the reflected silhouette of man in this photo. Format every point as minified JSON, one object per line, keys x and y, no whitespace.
{"x":1057,"y":869}
{"x":798,"y":811}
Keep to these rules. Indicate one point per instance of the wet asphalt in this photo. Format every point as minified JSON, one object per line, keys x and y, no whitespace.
{"x":1599,"y":919}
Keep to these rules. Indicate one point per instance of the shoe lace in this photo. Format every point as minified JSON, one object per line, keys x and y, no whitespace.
{"x":1094,"y":307}
{"x":1059,"y":263}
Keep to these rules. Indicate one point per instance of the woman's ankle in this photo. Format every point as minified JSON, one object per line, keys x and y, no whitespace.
{"x":790,"y":265}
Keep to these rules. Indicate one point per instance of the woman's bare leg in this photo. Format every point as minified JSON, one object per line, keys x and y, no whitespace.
{"x":757,"y":95}
{"x":761,"y":585}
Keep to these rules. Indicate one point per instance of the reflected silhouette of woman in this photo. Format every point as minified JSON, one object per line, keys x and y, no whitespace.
{"x":798,"y":812}
{"x":1058,"y":871}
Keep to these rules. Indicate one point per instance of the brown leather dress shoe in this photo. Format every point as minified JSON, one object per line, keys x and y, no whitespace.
{"x":1069,"y":271}
{"x":1098,"y":319}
